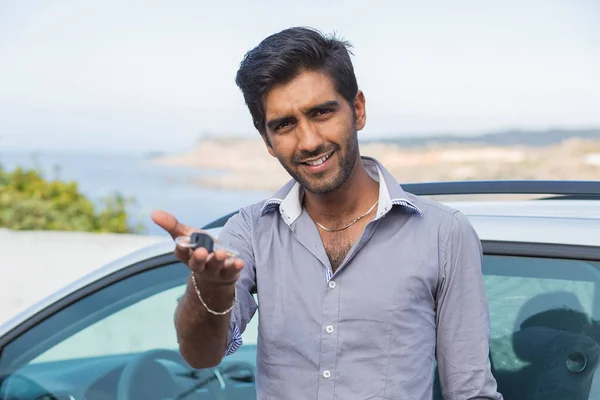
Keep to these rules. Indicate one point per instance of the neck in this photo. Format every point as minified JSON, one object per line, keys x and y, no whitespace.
{"x":354,"y":197}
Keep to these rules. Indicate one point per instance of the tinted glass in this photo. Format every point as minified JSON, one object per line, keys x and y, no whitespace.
{"x":544,"y":326}
{"x":120,"y":343}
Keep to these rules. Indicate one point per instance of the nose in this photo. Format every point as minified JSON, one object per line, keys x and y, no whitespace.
{"x":308,"y":136}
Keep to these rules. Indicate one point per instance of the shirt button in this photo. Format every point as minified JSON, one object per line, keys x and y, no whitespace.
{"x":331,"y":284}
{"x":326,"y":374}
{"x":329,"y":329}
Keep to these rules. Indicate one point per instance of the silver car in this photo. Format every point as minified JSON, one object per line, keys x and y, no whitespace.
{"x":110,"y":335}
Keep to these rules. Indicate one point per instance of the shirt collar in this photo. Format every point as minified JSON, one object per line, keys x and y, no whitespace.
{"x":288,"y":199}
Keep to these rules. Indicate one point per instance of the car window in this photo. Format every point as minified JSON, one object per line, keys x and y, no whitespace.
{"x":143,"y":326}
{"x":544,"y":334}
{"x":148,"y":323}
{"x":83,"y":351}
{"x":544,"y":338}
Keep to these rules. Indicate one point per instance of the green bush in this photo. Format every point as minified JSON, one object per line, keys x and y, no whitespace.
{"x":30,"y":202}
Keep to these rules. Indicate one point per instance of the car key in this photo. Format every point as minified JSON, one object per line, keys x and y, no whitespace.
{"x":199,"y":239}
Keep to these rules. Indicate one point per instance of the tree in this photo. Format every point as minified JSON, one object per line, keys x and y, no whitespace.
{"x":28,"y":201}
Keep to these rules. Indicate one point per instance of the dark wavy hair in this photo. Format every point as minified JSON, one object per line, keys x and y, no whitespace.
{"x":282,"y":56}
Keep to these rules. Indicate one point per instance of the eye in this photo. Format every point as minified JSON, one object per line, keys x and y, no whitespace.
{"x":323,"y":111}
{"x":282,"y":125}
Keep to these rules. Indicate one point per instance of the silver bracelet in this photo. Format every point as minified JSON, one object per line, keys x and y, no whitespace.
{"x":204,"y":304}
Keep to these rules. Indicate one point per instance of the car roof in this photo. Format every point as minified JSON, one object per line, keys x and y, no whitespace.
{"x":557,"y":221}
{"x":575,"y":222}
{"x":585,"y":209}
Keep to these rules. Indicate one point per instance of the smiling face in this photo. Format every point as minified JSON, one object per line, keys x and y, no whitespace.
{"x":312,"y":131}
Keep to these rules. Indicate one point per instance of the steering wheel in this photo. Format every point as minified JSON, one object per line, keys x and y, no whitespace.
{"x":130,"y":377}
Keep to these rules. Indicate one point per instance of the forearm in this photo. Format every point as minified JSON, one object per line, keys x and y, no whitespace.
{"x":202,"y":336}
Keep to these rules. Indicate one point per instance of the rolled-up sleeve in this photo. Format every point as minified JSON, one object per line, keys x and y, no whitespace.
{"x":237,"y":234}
{"x":462,"y":319}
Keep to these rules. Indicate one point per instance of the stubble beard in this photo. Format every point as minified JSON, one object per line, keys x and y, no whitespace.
{"x":347,"y":159}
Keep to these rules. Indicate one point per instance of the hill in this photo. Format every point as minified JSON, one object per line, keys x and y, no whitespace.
{"x":502,"y":138}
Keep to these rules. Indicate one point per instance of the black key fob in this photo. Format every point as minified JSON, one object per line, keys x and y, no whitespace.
{"x":198,"y":239}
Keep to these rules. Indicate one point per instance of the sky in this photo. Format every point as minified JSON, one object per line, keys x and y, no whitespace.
{"x":146,"y":75}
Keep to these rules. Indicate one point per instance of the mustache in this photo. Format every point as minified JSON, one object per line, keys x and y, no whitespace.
{"x":304,"y":155}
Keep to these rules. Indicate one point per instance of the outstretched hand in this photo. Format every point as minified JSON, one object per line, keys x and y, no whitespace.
{"x":215,"y":268}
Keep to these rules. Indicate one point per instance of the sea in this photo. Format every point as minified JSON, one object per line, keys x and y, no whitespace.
{"x":152,"y":186}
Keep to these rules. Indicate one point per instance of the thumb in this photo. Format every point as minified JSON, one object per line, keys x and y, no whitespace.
{"x":170,"y":224}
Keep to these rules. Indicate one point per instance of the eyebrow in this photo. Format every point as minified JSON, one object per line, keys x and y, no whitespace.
{"x":327,"y":104}
{"x":272,"y":123}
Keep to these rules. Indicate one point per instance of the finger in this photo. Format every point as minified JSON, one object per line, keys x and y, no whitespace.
{"x":182,"y":254}
{"x":231,"y":270}
{"x":198,"y":260}
{"x":238,"y":264}
{"x":233,"y":265}
{"x":169,"y":223}
{"x":220,"y":267}
{"x":215,"y":262}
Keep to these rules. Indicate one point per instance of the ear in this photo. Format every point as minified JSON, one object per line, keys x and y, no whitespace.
{"x":360,"y":110}
{"x":267,"y":143}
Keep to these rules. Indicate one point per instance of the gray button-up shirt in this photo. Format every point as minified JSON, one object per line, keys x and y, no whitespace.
{"x":410,"y":291}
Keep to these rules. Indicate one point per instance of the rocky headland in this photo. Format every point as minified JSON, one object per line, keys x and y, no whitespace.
{"x":245,"y":164}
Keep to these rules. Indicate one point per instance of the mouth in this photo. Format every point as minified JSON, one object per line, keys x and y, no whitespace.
{"x":318,"y":161}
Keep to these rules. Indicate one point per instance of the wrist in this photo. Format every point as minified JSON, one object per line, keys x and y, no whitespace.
{"x":217,"y":298}
{"x":213,"y":285}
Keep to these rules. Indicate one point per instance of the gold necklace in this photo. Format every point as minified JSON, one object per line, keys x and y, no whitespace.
{"x":351,"y":223}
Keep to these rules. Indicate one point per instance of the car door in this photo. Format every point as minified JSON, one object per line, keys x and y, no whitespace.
{"x":115,"y":339}
{"x":544,"y":304}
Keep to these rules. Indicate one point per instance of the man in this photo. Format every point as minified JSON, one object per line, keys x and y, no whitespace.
{"x":361,"y":286}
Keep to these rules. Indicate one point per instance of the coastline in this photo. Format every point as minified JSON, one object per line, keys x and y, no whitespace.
{"x":244,"y":164}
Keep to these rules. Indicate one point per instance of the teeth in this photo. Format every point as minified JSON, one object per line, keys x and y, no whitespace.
{"x":319,"y":161}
